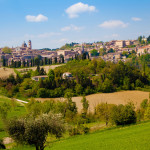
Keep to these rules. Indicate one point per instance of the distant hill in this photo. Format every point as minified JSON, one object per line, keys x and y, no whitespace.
{"x":48,"y":49}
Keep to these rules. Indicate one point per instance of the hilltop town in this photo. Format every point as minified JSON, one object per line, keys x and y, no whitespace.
{"x":109,"y":51}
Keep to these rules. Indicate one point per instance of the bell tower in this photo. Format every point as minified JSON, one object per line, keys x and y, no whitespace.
{"x":30,"y":44}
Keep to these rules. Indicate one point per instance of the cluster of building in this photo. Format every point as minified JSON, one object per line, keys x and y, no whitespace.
{"x":26,"y":53}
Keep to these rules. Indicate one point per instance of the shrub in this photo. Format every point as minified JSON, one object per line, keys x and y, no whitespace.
{"x":144,"y":104}
{"x":42,"y":92}
{"x":80,"y":129}
{"x":141,"y":111}
{"x":107,"y":86}
{"x":138,"y":83}
{"x":74,"y":131}
{"x":147,"y":113}
{"x":86,"y":129}
{"x":123,"y":114}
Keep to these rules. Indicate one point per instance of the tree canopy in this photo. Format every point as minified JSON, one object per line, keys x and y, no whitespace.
{"x":6,"y":50}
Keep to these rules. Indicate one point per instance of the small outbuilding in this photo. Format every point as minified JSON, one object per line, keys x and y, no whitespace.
{"x":67,"y":75}
{"x":37,"y":78}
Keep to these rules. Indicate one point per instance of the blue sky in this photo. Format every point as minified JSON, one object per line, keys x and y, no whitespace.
{"x":52,"y":23}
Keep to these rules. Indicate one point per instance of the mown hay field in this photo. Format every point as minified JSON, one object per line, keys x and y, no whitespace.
{"x":122,"y":97}
{"x":5,"y":72}
{"x":46,"y":68}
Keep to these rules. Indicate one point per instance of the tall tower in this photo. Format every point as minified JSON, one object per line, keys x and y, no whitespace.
{"x":82,"y":48}
{"x":30,"y":44}
{"x":24,"y":44}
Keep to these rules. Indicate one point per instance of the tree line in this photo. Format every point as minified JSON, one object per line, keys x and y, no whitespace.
{"x":37,"y":61}
{"x":89,"y":76}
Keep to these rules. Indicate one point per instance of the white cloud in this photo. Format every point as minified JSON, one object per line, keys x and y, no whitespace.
{"x":136,"y":19}
{"x":72,"y":28}
{"x":74,"y":10}
{"x":113,"y":24}
{"x":38,"y":18}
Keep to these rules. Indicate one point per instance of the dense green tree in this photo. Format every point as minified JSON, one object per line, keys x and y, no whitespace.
{"x":45,"y":61}
{"x":94,"y":52}
{"x":4,"y":61}
{"x":27,"y":63}
{"x":79,"y":89}
{"x":111,"y":50}
{"x":51,"y":75}
{"x":42,"y":92}
{"x":37,"y":61}
{"x":24,"y":63}
{"x":71,"y":108}
{"x":107,"y":86}
{"x":103,"y":111}
{"x":55,"y":60}
{"x":42,"y":71}
{"x":85,"y":105}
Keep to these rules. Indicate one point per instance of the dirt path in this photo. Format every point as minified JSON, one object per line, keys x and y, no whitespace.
{"x":7,"y":140}
{"x":21,"y":101}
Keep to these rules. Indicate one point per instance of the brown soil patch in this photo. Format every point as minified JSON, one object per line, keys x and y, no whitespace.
{"x":7,"y":140}
{"x":5,"y":72}
{"x":122,"y":97}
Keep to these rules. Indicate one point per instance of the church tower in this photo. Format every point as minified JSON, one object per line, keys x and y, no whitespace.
{"x":24,"y":45}
{"x":30,"y":44}
{"x":82,"y":48}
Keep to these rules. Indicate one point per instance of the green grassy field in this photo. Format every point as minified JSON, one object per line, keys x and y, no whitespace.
{"x":135,"y":137}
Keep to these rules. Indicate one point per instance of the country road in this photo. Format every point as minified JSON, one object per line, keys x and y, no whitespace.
{"x":21,"y":101}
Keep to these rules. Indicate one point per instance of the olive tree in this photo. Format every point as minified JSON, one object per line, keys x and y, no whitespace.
{"x":34,"y":131}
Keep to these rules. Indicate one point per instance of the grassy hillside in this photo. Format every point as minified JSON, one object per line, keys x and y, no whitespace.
{"x":17,"y":110}
{"x":134,"y":137}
